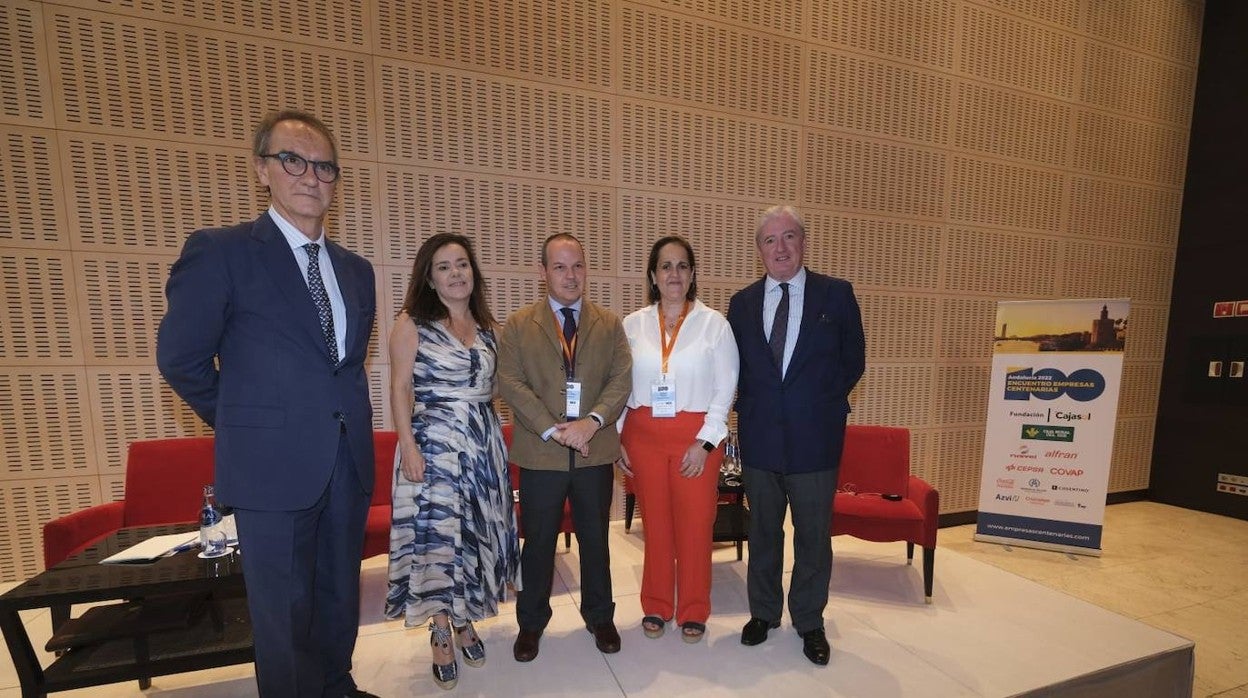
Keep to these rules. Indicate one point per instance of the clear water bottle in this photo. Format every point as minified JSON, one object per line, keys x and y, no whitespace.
{"x":731,"y":468}
{"x":211,"y":530}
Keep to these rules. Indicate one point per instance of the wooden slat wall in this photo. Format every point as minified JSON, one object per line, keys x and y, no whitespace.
{"x":947,"y":154}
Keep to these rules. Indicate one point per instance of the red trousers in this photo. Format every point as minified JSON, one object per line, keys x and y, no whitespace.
{"x":677,"y":513}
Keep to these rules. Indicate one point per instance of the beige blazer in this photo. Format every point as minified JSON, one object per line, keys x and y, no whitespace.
{"x":531,"y":380}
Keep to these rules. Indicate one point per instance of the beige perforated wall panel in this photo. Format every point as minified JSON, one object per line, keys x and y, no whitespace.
{"x":27,"y":504}
{"x":783,"y":16}
{"x":29,"y":216}
{"x":919,"y":31}
{"x":46,"y":433}
{"x":551,"y":40}
{"x":684,"y":59}
{"x":124,"y":199}
{"x":26,"y":90}
{"x":125,"y":75}
{"x":947,"y":154}
{"x":879,"y":97}
{"x":133,"y":403}
{"x":38,"y":322}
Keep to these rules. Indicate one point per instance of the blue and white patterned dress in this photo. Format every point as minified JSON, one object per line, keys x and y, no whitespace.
{"x":453,"y":543}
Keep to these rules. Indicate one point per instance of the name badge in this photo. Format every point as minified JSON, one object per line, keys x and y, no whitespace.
{"x":572,"y":407}
{"x":663,"y":397}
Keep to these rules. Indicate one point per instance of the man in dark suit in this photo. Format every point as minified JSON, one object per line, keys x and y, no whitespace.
{"x":802,"y":351}
{"x":565,"y":369}
{"x":265,"y":338}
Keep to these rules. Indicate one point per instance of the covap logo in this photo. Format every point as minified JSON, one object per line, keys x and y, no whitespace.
{"x":1049,"y":384}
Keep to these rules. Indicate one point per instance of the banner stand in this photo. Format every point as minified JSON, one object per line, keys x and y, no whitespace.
{"x":1037,"y":545}
{"x":1049,"y":435}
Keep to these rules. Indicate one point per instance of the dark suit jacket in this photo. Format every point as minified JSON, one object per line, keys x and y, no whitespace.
{"x":242,"y":344}
{"x":531,"y":380}
{"x":798,"y":425}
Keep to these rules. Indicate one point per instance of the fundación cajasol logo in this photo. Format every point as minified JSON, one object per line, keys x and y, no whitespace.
{"x":1082,"y":385}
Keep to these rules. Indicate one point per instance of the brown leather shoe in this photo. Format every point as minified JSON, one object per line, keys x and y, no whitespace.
{"x":526,"y":645}
{"x":606,"y":637}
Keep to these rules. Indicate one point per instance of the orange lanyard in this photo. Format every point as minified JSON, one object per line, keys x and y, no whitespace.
{"x":664,"y":345}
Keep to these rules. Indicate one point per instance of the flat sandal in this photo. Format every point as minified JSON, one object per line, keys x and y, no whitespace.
{"x":692,"y":631}
{"x":653,"y":627}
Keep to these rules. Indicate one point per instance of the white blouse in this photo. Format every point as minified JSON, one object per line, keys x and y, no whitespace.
{"x":703,"y":364}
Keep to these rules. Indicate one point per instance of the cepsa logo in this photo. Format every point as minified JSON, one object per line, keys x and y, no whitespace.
{"x":1049,"y":384}
{"x":1015,"y":467}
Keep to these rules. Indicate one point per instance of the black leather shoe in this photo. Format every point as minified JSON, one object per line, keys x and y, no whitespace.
{"x":525,"y":649}
{"x":815,"y":646}
{"x":357,"y":693}
{"x":606,"y":637}
{"x":755,"y":631}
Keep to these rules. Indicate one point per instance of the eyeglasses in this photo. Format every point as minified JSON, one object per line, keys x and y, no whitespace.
{"x":296,"y":165}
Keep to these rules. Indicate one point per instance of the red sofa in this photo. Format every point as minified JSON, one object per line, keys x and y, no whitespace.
{"x":165,"y":481}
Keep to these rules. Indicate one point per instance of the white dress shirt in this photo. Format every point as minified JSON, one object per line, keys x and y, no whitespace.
{"x":297,"y":240}
{"x":771,"y":300}
{"x":703,"y":365}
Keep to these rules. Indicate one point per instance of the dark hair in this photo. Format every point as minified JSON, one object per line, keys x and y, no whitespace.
{"x":260,"y":142}
{"x":652,"y":290}
{"x":421,"y":302}
{"x":558,"y":236}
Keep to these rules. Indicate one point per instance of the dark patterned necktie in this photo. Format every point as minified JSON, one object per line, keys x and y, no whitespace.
{"x":569,"y":332}
{"x":319,"y":297}
{"x":569,"y":362}
{"x":780,"y":328}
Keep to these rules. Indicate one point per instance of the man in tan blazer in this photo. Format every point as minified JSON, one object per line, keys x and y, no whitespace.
{"x":565,"y":369}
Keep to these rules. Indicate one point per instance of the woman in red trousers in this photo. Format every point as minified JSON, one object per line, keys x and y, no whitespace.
{"x":684,"y":377}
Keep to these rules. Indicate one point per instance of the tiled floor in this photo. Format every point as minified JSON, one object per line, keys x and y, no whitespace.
{"x":1179,"y":570}
{"x":1184,"y":572}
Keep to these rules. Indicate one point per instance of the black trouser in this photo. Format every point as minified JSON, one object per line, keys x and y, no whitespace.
{"x":809,"y":496}
{"x":542,"y":494}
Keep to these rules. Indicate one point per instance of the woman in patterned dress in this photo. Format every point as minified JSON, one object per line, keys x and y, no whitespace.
{"x":453,"y":543}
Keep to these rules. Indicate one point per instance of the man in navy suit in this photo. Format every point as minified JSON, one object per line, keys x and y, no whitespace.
{"x":265,"y":338}
{"x":800,"y":338}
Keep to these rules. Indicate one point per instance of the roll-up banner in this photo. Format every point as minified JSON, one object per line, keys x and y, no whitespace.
{"x":1052,"y":406}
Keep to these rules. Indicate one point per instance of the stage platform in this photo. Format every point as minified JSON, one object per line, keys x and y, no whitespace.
{"x":987,"y":633}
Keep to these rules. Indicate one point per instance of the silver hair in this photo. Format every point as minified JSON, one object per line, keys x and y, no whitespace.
{"x":776,"y":212}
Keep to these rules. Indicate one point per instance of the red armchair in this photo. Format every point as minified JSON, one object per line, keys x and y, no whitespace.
{"x":565,"y":527}
{"x":165,"y":481}
{"x":876,"y":462}
{"x":377,"y":528}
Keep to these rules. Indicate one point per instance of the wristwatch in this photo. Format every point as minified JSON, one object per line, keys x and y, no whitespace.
{"x":708,"y":446}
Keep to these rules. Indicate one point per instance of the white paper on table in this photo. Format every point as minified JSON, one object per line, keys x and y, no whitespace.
{"x":154,"y":548}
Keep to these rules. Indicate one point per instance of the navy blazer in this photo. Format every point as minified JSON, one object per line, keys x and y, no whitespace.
{"x":241,"y":342}
{"x":797,"y":424}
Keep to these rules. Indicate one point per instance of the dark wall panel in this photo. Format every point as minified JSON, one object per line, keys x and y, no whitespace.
{"x":1202,"y":417}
